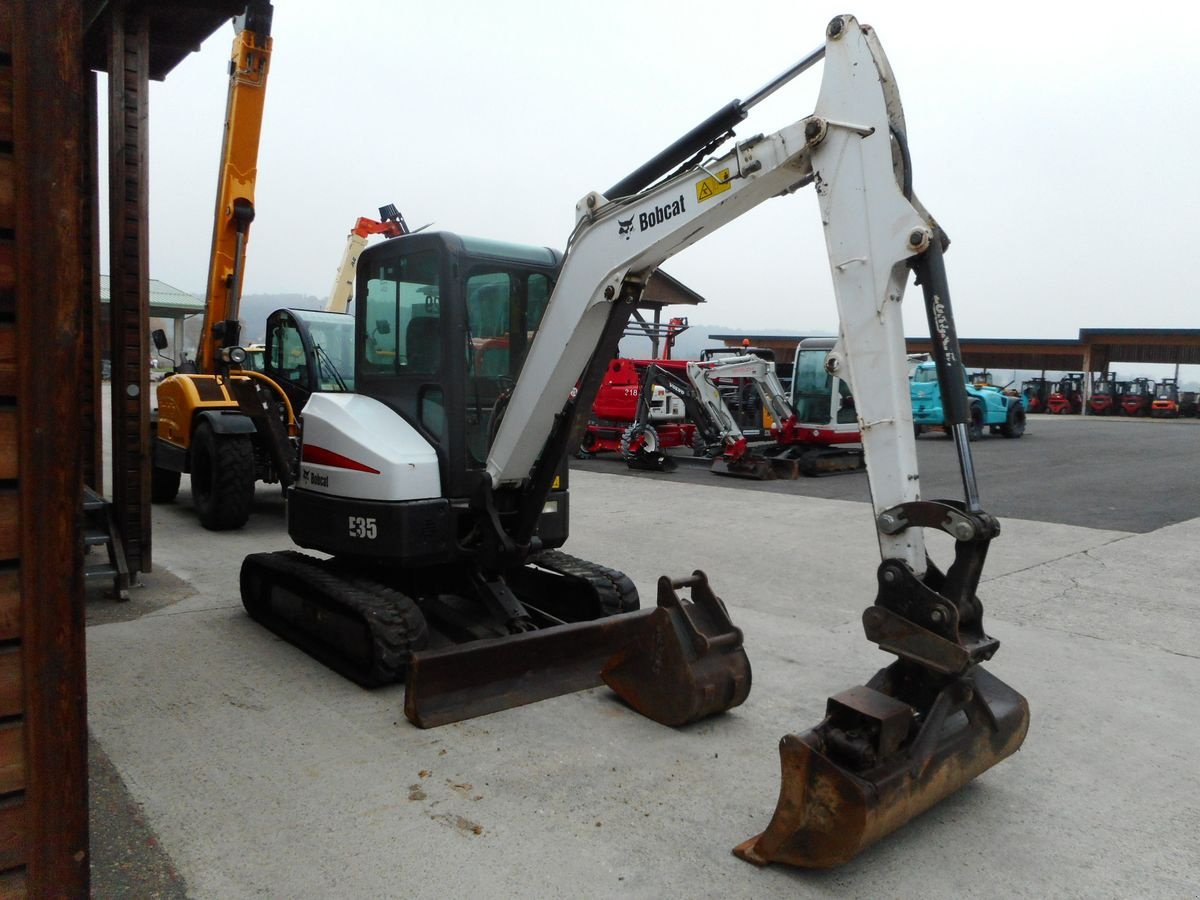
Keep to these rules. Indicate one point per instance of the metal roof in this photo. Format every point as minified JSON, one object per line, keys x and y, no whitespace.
{"x":165,"y":300}
{"x":1098,"y":347}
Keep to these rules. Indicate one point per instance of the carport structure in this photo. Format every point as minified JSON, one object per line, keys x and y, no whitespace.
{"x":1096,"y":350}
{"x":661,"y":291}
{"x":1049,"y":355}
{"x":1102,"y":347}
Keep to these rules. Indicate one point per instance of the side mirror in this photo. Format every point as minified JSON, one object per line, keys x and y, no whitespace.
{"x":382,"y":326}
{"x":160,"y":338}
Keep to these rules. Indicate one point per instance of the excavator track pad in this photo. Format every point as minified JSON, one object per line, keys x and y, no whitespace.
{"x":360,"y":628}
{"x":581,"y":626}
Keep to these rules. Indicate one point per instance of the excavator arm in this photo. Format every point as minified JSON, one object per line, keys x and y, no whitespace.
{"x":759,"y":372}
{"x":934,"y":719}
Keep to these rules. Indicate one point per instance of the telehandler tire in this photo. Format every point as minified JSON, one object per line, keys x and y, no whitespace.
{"x":1014,"y":424}
{"x":974,"y":424}
{"x":164,"y":485}
{"x":222,"y":478}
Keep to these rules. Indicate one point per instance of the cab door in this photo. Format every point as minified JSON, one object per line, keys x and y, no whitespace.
{"x":286,"y":360}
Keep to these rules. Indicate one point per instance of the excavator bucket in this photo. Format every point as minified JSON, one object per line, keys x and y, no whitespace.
{"x":873,"y":764}
{"x":675,"y":663}
{"x":687,"y":662}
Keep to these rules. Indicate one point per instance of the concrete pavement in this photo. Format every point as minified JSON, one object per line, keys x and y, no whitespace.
{"x":265,"y":774}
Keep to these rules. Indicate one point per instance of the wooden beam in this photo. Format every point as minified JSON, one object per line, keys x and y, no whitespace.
{"x":91,"y":419}
{"x":48,"y":112}
{"x":129,"y":304}
{"x":10,"y":605}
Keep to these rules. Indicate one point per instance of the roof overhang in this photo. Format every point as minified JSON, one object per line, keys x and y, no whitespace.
{"x":177,"y":28}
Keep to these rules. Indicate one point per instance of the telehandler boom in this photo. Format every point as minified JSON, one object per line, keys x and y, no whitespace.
{"x":227,"y":423}
{"x":438,"y":486}
{"x":226,"y":426}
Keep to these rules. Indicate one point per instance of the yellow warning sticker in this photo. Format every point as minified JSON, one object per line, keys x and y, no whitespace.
{"x":557,"y":481}
{"x":709,"y":187}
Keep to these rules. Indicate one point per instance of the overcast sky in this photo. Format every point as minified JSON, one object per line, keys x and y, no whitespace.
{"x":1058,"y":150}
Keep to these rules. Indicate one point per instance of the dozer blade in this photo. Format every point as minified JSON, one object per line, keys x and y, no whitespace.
{"x":661,"y":661}
{"x":748,"y":466}
{"x":860,"y":774}
{"x":481,"y":677}
{"x":651,"y":461}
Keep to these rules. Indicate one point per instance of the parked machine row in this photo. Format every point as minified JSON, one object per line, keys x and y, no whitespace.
{"x":1110,"y":396}
{"x":729,"y":408}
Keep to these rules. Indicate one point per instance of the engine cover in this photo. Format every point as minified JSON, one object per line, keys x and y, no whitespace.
{"x":354,"y":446}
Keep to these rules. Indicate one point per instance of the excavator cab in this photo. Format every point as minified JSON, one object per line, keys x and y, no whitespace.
{"x":437,"y":575}
{"x":447,"y":323}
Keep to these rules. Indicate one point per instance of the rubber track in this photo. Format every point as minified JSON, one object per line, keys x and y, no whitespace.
{"x":393,"y":620}
{"x":615,"y":590}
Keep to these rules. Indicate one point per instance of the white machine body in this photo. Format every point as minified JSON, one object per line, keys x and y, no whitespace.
{"x":356,"y":447}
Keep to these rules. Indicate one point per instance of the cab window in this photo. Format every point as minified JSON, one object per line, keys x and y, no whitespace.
{"x":402,"y":325}
{"x":504,"y":310}
{"x":285,"y":352}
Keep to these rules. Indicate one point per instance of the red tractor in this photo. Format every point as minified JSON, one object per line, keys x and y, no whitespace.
{"x":1138,"y":397}
{"x":1066,"y":395}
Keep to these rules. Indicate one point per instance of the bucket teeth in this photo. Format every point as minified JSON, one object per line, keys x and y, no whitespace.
{"x":874,"y":763}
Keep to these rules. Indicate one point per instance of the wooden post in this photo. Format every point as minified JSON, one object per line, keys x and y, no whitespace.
{"x":49,"y":231}
{"x":129,"y":306}
{"x":91,"y":424}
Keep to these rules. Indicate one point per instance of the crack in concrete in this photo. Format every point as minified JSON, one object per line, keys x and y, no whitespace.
{"x":1047,"y":562}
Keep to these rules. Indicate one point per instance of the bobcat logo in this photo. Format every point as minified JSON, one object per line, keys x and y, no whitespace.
{"x":626,"y":227}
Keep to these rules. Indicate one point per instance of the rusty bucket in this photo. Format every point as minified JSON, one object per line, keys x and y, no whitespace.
{"x":686,"y":661}
{"x":874,"y":763}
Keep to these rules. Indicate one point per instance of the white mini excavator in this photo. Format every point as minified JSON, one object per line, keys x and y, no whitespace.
{"x":438,"y":486}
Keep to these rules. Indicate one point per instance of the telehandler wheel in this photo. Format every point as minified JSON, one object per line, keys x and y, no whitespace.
{"x":222,"y":478}
{"x":164,"y":485}
{"x":975,"y":426}
{"x":1014,"y":424}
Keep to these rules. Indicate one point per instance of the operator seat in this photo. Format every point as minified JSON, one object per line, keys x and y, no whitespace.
{"x":423,"y":345}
